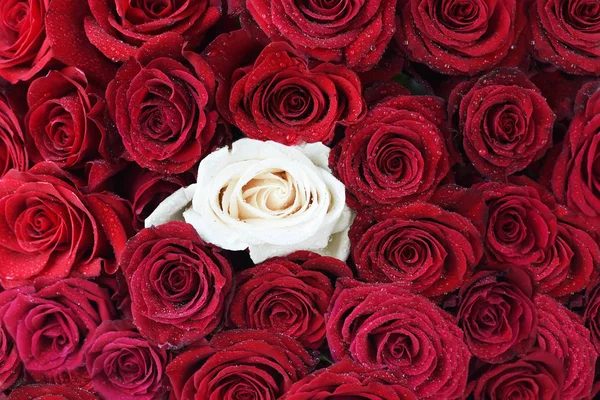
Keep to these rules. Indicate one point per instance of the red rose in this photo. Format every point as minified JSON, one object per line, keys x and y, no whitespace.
{"x":592,"y":313}
{"x":50,"y":392}
{"x":520,"y":229}
{"x":461,"y":37}
{"x":161,"y":102}
{"x":575,"y":177}
{"x":504,"y":122}
{"x":347,"y":379}
{"x":280,"y":96}
{"x":122,"y":364}
{"x":239,"y":364}
{"x":178,"y":284}
{"x":566,"y":33}
{"x":118,"y":29}
{"x":497,"y":314}
{"x":422,"y":247}
{"x":386,"y":327}
{"x":12,"y":147}
{"x":51,"y":322}
{"x":561,"y":332}
{"x":538,"y":375}
{"x":49,"y":228}
{"x":65,"y":121}
{"x":347,"y":32}
{"x":282,"y":296}
{"x":396,"y":154}
{"x":10,"y":362}
{"x":24,"y":49}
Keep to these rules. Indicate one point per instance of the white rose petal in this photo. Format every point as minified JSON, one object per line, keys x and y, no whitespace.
{"x":266,"y":197}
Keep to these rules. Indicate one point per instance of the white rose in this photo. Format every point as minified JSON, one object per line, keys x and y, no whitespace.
{"x":266,"y":197}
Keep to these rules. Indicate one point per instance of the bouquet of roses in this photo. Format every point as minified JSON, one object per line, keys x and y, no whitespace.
{"x":299,"y":199}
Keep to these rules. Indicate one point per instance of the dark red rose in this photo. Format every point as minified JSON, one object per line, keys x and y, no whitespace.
{"x":65,"y":121}
{"x":238,"y":365}
{"x":51,"y":324}
{"x":566,"y":33}
{"x":10,"y":362}
{"x":49,"y":228}
{"x":12,"y":141}
{"x":353,"y":33}
{"x":521,"y":228}
{"x":576,"y":177}
{"x":592,"y":313}
{"x":460,"y":37}
{"x":161,"y":102}
{"x":119,"y":28}
{"x":344,"y":380}
{"x":50,"y":392}
{"x":178,"y":284}
{"x":420,"y":246}
{"x":497,"y":314}
{"x":284,"y":297}
{"x":280,"y":96}
{"x":539,"y":375}
{"x":503,"y":121}
{"x":386,"y":327}
{"x":24,"y":49}
{"x":123,"y":365}
{"x":561,"y":332}
{"x":148,"y":189}
{"x":397,"y":153}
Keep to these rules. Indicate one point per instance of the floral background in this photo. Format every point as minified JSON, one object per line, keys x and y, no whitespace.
{"x":299,"y":199}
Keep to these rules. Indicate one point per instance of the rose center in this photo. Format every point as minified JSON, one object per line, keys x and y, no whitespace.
{"x":179,"y":282}
{"x":16,"y":15}
{"x":328,"y":12}
{"x":127,"y":367}
{"x":584,"y":14}
{"x":156,"y":8}
{"x":38,"y":228}
{"x":271,"y":193}
{"x":459,"y":13}
{"x":397,"y":160}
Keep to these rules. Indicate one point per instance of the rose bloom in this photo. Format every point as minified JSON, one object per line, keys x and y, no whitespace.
{"x":24,"y":49}
{"x":10,"y":362}
{"x":497,"y":313}
{"x":121,"y":364}
{"x":504,"y":122}
{"x":575,"y":177}
{"x":384,"y":326}
{"x":239,"y":364}
{"x":539,"y":375}
{"x":279,"y":95}
{"x":397,"y":153}
{"x":566,"y":33}
{"x":65,"y":121}
{"x":561,"y":332}
{"x":12,"y":140}
{"x":460,"y":37}
{"x":51,"y":323}
{"x":267,"y":197}
{"x":161,"y":102}
{"x":353,"y":33}
{"x":51,"y":229}
{"x":50,"y":392}
{"x":282,"y":296}
{"x":347,"y":379}
{"x":418,"y":245}
{"x":178,"y":284}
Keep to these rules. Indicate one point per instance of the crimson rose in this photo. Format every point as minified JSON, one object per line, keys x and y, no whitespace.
{"x":347,"y":379}
{"x":561,"y":332}
{"x":497,"y":314}
{"x":12,"y":141}
{"x":566,"y":33}
{"x":178,"y":284}
{"x":161,"y":102}
{"x":592,"y":313}
{"x":239,"y":364}
{"x":50,"y":392}
{"x":422,"y":247}
{"x":280,"y":96}
{"x":281,"y":296}
{"x":122,"y":364}
{"x":503,"y":120}
{"x":461,"y":37}
{"x":539,"y":375}
{"x":49,"y":228}
{"x":51,"y":323}
{"x":397,"y":153}
{"x":10,"y":362}
{"x":386,"y":327}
